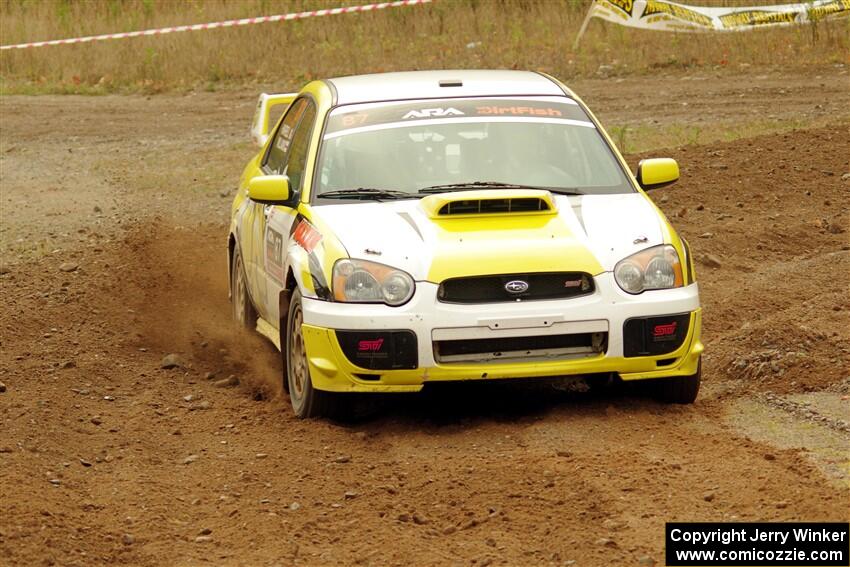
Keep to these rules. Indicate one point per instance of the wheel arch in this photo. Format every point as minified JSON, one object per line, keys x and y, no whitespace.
{"x":231,"y":246}
{"x":290,"y":285}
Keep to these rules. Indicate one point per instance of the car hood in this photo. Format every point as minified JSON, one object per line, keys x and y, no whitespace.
{"x":588,"y":233}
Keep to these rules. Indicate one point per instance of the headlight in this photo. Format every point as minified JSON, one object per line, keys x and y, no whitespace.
{"x":654,"y":268}
{"x":361,"y":281}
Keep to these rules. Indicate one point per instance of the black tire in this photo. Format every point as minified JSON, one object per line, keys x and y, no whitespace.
{"x":240,"y":301}
{"x":679,"y":389}
{"x":602,"y":385}
{"x":306,"y":400}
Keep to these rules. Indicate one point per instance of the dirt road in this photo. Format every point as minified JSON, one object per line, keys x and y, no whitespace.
{"x":114,"y":214}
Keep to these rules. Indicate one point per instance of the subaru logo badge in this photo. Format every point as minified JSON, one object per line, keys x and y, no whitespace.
{"x":516,"y":286}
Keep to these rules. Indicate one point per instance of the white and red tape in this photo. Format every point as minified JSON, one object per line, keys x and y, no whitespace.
{"x":224,"y":24}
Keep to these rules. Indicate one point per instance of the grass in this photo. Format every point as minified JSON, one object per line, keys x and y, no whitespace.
{"x":445,"y":34}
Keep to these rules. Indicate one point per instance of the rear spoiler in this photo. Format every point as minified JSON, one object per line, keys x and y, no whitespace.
{"x":260,"y":126}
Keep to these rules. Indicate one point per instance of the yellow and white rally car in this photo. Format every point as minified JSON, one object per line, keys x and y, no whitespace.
{"x":404,"y":228}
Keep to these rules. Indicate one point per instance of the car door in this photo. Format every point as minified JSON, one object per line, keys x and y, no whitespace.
{"x":279,"y":219}
{"x":256,"y":214}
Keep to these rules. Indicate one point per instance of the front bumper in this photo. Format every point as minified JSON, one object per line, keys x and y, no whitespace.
{"x":608,"y":308}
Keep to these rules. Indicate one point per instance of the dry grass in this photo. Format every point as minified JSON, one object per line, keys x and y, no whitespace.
{"x":445,"y":34}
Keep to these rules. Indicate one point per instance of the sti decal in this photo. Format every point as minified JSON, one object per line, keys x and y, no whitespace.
{"x":370,"y":346}
{"x":665,"y":332}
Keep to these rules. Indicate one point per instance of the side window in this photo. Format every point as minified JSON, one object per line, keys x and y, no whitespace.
{"x":276,"y":157}
{"x":298,"y":150}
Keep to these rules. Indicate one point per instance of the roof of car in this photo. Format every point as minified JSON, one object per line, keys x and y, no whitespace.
{"x":441,"y":84}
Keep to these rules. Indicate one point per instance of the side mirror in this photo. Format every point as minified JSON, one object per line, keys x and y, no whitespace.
{"x":657,"y":172}
{"x":269,"y":189}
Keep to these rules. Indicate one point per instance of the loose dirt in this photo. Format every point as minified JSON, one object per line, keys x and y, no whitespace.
{"x":114,"y":219}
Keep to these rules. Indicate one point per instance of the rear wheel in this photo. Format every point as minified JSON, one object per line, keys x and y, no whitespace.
{"x":243,"y":310}
{"x":306,"y":400}
{"x":679,"y":389}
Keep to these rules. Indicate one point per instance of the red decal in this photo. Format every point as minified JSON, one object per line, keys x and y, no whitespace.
{"x":518,"y":110}
{"x":664,"y":330}
{"x":306,"y":236}
{"x":370,"y":346}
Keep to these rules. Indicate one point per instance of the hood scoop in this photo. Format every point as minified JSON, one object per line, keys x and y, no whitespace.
{"x":498,"y":202}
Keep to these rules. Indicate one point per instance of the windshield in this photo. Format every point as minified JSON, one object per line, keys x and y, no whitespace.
{"x":393,"y":150}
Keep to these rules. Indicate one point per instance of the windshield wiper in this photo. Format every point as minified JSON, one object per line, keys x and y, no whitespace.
{"x":365,"y":193}
{"x":470,"y":185}
{"x":473,"y":185}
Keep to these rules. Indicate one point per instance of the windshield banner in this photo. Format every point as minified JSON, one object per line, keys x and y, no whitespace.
{"x":366,"y":117}
{"x":670,"y":16}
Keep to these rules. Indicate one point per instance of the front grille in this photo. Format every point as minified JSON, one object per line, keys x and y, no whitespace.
{"x":494,"y":206}
{"x":511,"y":348}
{"x":494,"y":289}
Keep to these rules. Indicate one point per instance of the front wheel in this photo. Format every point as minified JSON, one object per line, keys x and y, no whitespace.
{"x":679,"y":389}
{"x":306,"y":400}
